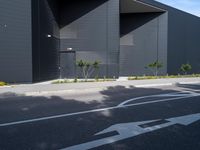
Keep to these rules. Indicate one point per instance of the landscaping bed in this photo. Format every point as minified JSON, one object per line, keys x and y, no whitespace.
{"x":60,"y":81}
{"x":162,"y":77}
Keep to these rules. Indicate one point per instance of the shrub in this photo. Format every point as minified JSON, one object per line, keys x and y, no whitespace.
{"x":154,"y":67}
{"x":75,"y":80}
{"x":185,"y":68}
{"x":2,"y":83}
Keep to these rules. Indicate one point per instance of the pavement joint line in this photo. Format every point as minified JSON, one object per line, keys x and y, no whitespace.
{"x":94,"y":110}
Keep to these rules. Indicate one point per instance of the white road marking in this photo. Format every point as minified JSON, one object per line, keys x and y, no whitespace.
{"x":175,"y":94}
{"x":122,"y":105}
{"x":153,"y":85}
{"x":190,"y":82}
{"x":132,"y":129}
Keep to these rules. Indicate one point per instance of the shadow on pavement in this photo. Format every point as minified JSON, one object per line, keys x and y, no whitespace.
{"x":63,"y":132}
{"x":14,"y":107}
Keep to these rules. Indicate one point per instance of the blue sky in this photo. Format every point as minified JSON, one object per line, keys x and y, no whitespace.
{"x":190,"y":6}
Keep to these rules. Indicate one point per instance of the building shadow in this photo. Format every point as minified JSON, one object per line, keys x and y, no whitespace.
{"x":62,"y":132}
{"x":131,"y":21}
{"x":15,"y":107}
{"x":67,"y":11}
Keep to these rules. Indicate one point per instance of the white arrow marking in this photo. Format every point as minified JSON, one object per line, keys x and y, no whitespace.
{"x":185,"y":120}
{"x":128,"y":130}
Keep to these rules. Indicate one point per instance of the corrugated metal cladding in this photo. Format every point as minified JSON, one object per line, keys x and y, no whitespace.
{"x":143,"y":41}
{"x":183,"y":39}
{"x":32,"y":32}
{"x":45,"y":40}
{"x":93,"y":32}
{"x":15,"y":41}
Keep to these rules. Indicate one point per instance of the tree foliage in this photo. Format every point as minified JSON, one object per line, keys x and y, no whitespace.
{"x":87,"y":68}
{"x":185,"y":68}
{"x":154,"y":67}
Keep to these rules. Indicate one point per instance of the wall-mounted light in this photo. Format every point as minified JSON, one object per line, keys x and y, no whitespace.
{"x":49,"y":36}
{"x":69,"y":49}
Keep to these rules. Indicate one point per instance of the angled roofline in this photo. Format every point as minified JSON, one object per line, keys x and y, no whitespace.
{"x":164,"y":6}
{"x":140,"y":7}
{"x":150,"y":5}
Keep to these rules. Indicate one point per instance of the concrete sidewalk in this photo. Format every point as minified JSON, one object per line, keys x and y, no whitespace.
{"x":76,"y":87}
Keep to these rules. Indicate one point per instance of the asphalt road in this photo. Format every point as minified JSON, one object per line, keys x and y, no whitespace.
{"x":117,"y":118}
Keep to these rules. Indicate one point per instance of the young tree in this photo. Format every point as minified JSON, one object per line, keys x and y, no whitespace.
{"x":87,"y":68}
{"x":154,"y":67}
{"x":96,"y":68}
{"x":185,"y":68}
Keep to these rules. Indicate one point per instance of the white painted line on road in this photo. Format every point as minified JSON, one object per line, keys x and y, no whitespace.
{"x":178,"y":94}
{"x":189,"y":82}
{"x":122,"y":105}
{"x":153,"y":85}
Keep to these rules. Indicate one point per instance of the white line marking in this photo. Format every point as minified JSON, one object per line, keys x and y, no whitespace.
{"x":181,"y":94}
{"x":153,"y":85}
{"x":190,"y":82}
{"x":122,"y":105}
{"x":133,"y":129}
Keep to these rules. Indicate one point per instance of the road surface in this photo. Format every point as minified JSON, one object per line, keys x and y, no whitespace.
{"x":117,"y":118}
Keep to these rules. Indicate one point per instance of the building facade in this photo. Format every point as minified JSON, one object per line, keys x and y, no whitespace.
{"x":42,"y":39}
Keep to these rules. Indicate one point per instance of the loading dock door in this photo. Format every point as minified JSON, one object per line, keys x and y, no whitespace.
{"x":68,"y":64}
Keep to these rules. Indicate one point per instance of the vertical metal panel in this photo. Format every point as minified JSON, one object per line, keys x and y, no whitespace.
{"x":113,"y":38}
{"x":49,"y":46}
{"x":184,"y":42}
{"x":95,"y":34}
{"x":183,"y":39}
{"x":46,"y":40}
{"x":15,"y":41}
{"x":143,"y":41}
{"x":163,"y":42}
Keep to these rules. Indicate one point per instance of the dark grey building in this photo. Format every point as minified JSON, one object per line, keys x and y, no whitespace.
{"x":43,"y":39}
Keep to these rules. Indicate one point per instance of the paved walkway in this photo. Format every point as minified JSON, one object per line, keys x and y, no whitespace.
{"x":48,"y":87}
